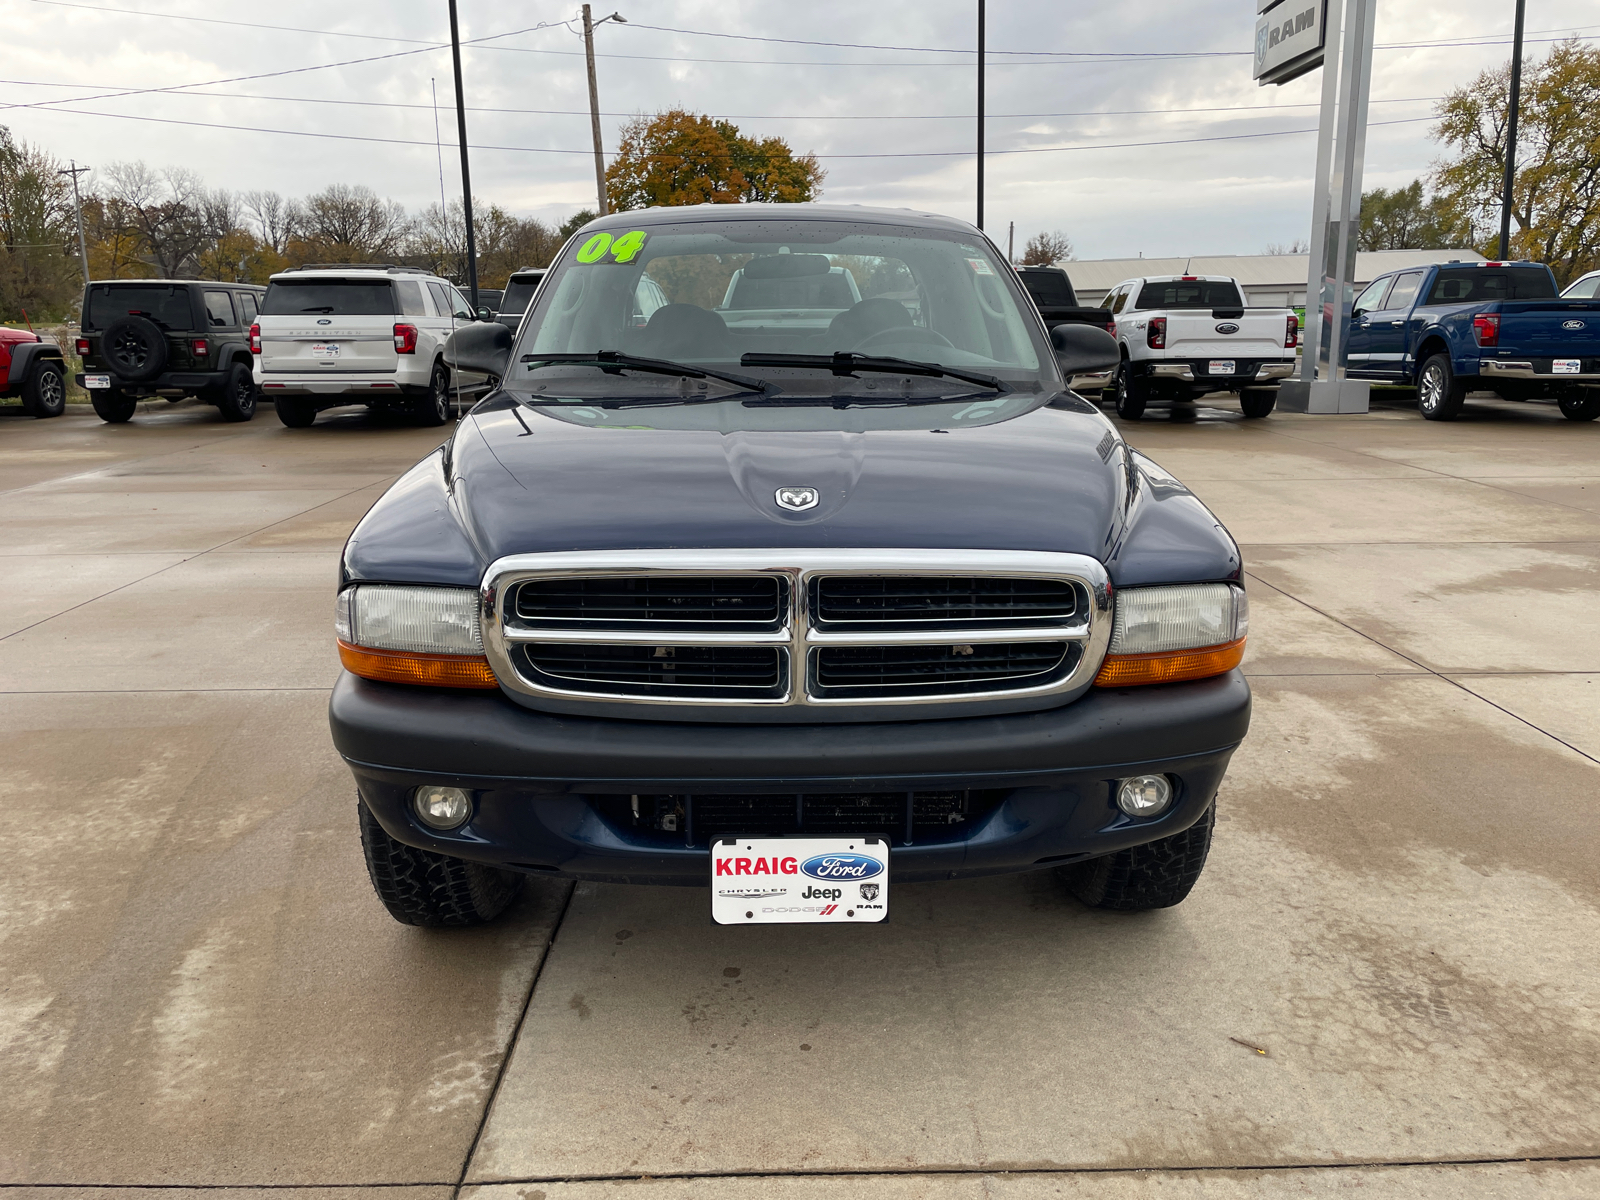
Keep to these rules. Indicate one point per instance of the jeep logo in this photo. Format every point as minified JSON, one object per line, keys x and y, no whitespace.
{"x":1227,"y":327}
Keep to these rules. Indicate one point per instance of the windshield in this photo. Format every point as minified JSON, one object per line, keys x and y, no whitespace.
{"x":709,"y":293}
{"x":1190,"y":293}
{"x":338,"y":297}
{"x":167,"y":305}
{"x":1517,"y":283}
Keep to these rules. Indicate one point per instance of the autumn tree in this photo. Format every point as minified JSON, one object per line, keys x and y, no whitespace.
{"x":38,"y":270}
{"x":678,"y":157}
{"x":348,"y":223}
{"x":1046,"y":248}
{"x":1555,"y":206}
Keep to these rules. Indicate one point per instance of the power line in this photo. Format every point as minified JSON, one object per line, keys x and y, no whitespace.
{"x":1039,"y":57}
{"x":351,"y":137}
{"x":574,"y":112}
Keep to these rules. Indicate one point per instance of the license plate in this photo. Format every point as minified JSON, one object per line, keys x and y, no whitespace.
{"x":791,"y":881}
{"x":1567,"y":366}
{"x":325,"y":350}
{"x":1220,"y":366}
{"x":97,"y":381}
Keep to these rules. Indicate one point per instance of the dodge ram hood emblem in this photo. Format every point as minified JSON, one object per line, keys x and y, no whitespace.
{"x":797,"y":498}
{"x":1227,"y":327}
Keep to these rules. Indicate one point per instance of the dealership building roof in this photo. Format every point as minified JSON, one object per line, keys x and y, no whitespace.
{"x":1266,"y":278}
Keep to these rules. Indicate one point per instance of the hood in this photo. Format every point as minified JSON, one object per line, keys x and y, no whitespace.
{"x":526,"y":480}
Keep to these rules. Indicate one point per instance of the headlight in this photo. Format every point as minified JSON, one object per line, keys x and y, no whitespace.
{"x":422,"y":635}
{"x":1170,"y":634}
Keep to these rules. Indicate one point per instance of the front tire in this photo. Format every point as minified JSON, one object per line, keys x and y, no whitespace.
{"x":1156,"y":875}
{"x":1440,"y":394}
{"x":1129,"y":392}
{"x":436,"y":891}
{"x":111,"y":406}
{"x":238,"y":401}
{"x":1256,"y":403}
{"x":45,"y":393}
{"x":1581,"y":405}
{"x":434,"y":408}
{"x":297,"y":412}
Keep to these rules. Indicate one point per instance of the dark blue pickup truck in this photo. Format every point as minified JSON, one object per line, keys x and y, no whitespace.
{"x":1464,"y":327}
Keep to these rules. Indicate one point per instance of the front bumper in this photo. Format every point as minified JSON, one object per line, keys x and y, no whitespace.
{"x":531,"y":774}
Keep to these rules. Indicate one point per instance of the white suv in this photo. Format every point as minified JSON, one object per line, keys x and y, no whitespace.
{"x":360,"y":334}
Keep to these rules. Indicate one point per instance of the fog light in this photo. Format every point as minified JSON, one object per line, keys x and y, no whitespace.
{"x":1142,"y":795}
{"x":442,"y":807}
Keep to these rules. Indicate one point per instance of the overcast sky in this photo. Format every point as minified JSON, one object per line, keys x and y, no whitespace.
{"x":854,"y":108}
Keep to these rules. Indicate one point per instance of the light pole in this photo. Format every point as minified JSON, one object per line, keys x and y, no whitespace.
{"x":77,"y":200}
{"x":1511,"y":135}
{"x":466,"y":174}
{"x":981,"y":57}
{"x":589,"y":24}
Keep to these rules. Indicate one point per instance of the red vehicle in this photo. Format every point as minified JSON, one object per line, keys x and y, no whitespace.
{"x":35,"y":370}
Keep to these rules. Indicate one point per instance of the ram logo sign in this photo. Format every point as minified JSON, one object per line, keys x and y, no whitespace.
{"x":1289,"y":39}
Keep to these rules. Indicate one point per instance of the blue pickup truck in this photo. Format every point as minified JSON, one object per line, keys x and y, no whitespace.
{"x":1456,"y":328}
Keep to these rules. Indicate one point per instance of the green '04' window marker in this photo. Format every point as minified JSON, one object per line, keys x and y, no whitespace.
{"x":595,"y":248}
{"x":626,"y":248}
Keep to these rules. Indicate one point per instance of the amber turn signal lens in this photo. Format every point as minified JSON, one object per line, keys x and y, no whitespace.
{"x":1173,"y":666}
{"x":429,"y":670}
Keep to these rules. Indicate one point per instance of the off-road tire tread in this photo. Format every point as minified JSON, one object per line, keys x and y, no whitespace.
{"x":435,"y":891}
{"x":1155,"y":875}
{"x":225,"y":403}
{"x":32,"y":400}
{"x":112,"y":406}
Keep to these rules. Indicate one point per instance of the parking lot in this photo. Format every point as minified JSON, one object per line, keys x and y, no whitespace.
{"x":1386,"y":978}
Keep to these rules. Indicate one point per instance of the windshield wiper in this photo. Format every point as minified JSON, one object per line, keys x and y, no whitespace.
{"x":845,"y":362}
{"x":612,"y":361}
{"x":321,"y":308}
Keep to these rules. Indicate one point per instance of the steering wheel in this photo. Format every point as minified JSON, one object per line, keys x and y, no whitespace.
{"x":906,"y":333}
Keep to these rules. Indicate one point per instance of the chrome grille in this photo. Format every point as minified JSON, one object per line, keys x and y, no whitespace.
{"x":915,"y":602}
{"x":676,"y":602}
{"x":708,"y":671}
{"x":797,"y":628}
{"x":960,"y":669}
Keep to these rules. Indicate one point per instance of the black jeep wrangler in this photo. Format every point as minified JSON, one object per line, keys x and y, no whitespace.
{"x":142,"y":338}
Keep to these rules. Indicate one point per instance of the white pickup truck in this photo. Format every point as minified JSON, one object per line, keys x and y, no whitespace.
{"x":1185,"y":336}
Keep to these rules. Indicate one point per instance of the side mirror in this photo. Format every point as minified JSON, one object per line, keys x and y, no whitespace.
{"x":485,"y":314}
{"x":1355,"y":313}
{"x":484,"y":347}
{"x":1084,"y":350}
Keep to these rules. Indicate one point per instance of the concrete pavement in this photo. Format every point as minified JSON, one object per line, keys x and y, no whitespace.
{"x":1384,"y":980}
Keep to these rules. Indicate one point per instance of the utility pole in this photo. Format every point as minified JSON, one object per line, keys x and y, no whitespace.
{"x":1511,"y":135}
{"x":981,"y":57}
{"x":466,"y":174}
{"x":589,"y":24}
{"x":77,"y":200}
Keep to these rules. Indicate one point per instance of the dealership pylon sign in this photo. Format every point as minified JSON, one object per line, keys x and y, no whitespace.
{"x":1294,"y":37}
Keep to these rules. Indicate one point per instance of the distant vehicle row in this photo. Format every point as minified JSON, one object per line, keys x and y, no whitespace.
{"x":313,"y":338}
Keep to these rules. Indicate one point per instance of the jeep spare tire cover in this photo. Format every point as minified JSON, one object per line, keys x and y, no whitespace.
{"x":135,"y":348}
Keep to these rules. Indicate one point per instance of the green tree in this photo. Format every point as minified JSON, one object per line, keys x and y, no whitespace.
{"x":1555,"y":204}
{"x":1405,"y":219}
{"x":576,"y":222}
{"x":678,"y":157}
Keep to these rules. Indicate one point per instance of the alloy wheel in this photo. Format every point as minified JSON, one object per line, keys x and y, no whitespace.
{"x":1430,"y":389}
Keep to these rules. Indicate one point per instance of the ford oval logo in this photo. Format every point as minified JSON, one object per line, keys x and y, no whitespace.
{"x":1227,"y":327}
{"x":324,"y":321}
{"x":1572,"y":324}
{"x":842,"y":866}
